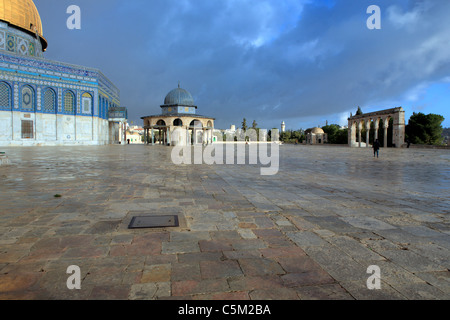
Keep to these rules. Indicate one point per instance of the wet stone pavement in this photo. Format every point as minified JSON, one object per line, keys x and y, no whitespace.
{"x":309,"y":232}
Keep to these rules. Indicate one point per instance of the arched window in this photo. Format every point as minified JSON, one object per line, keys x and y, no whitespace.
{"x":196,"y":124}
{"x":69,"y":102}
{"x":5,"y":96}
{"x":49,"y":101}
{"x":86,"y":102}
{"x":178,"y":123}
{"x":27,"y":98}
{"x":161,"y":123}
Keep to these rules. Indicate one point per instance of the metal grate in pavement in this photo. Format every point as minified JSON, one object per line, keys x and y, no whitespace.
{"x":154,"y":222}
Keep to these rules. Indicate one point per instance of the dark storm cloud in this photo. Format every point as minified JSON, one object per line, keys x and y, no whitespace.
{"x":267,"y":60}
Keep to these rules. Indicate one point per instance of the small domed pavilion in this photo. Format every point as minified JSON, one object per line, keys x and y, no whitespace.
{"x":316,"y":136}
{"x":178,"y":112}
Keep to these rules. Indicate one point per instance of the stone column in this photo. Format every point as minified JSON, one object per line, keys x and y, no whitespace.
{"x":385,"y":127}
{"x":377,"y":125}
{"x":398,"y":131}
{"x":368,"y":133}
{"x":168,"y":137}
{"x":153,"y":137}
{"x":359,"y":133}
{"x":351,"y":133}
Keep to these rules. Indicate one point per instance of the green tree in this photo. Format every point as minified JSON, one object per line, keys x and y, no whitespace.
{"x":297,"y":136}
{"x":244,"y":125}
{"x":336,"y":135}
{"x":286,"y":136}
{"x":425,"y":129}
{"x":359,"y":112}
{"x":254,"y":125}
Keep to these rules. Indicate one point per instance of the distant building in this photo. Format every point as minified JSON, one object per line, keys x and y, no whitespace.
{"x":134,"y":138}
{"x":178,"y":112}
{"x":316,"y":136}
{"x":376,"y":119}
{"x":135,"y":135}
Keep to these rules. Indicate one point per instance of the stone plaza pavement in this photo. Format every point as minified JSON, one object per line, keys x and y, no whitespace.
{"x":309,"y":232}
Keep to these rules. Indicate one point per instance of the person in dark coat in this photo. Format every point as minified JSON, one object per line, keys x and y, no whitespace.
{"x":376,"y":148}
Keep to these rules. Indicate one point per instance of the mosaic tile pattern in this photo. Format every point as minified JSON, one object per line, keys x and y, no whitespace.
{"x":16,"y":41}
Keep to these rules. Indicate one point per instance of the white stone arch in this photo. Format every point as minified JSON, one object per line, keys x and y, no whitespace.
{"x":383,"y":117}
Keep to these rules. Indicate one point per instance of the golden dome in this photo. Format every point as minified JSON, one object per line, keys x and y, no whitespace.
{"x":23,"y":14}
{"x":317,"y":131}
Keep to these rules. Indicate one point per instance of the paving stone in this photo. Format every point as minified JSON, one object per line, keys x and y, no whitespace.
{"x":247,"y":234}
{"x":337,"y":263}
{"x":367,"y":223}
{"x":438,"y":279}
{"x":324,"y":292}
{"x":157,"y":273}
{"x":308,"y":234}
{"x":223,"y":296}
{"x":192,"y":287}
{"x":180,"y":247}
{"x":189,"y":236}
{"x":144,"y":291}
{"x":215,"y":245}
{"x":110,"y":293}
{"x":255,"y":282}
{"x":420,"y":291}
{"x":227,"y":235}
{"x":312,"y":277}
{"x":103,"y":227}
{"x":412,"y":261}
{"x":17,"y":282}
{"x":261,"y":266}
{"x":298,"y":264}
{"x":306,"y":238}
{"x":240,"y":254}
{"x":334,"y":224}
{"x":359,"y":290}
{"x":267,"y":233}
{"x":219,"y":269}
{"x":200,"y":256}
{"x":149,"y":291}
{"x":355,"y":249}
{"x":122,"y":239}
{"x":283,"y":252}
{"x":422,"y":231}
{"x":274,"y":294}
{"x":186,"y":271}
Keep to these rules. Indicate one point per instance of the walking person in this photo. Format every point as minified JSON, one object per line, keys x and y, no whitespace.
{"x":376,"y":148}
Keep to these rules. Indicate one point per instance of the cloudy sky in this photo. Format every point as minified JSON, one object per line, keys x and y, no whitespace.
{"x":304,"y":62}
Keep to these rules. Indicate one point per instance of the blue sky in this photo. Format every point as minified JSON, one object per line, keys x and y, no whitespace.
{"x":304,"y":62}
